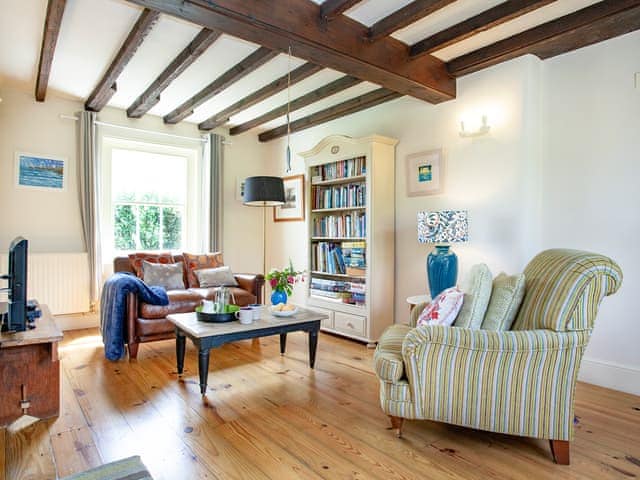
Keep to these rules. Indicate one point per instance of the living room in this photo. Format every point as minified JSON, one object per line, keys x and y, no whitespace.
{"x":555,"y":169}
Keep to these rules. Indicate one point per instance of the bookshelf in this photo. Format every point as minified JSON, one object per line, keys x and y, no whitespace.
{"x":350,"y":207}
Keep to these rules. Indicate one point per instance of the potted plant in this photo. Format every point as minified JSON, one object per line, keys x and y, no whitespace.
{"x":282,"y":282}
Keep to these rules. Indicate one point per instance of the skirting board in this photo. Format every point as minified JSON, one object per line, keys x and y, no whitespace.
{"x":610,"y":375}
{"x":77,"y":321}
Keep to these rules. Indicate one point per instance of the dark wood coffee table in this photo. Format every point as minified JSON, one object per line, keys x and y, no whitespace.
{"x":206,"y":336}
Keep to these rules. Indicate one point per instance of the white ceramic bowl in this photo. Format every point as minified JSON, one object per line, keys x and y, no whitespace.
{"x":285,"y":313}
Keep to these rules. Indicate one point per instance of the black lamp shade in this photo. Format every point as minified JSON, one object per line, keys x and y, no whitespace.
{"x":263,"y":191}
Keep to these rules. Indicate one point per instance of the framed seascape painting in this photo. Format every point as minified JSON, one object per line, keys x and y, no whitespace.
{"x":41,"y":172}
{"x":425,"y":173}
{"x":293,"y":208}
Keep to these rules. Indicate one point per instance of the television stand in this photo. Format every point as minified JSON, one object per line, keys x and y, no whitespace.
{"x":30,"y":371}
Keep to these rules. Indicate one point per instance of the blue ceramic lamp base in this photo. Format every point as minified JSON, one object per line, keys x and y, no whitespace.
{"x":442,"y":269}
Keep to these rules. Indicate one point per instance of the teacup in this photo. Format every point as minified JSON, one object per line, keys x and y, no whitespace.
{"x":245,"y":315}
{"x":208,"y":306}
{"x":257,"y":310}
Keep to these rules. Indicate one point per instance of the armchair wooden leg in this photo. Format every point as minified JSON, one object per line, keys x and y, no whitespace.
{"x":396,"y":424}
{"x":133,"y":350}
{"x":560,"y":451}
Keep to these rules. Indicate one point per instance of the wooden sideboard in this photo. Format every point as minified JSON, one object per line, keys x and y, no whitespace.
{"x":30,"y":371}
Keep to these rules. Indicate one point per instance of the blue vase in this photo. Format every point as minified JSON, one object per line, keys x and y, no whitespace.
{"x":278,"y":296}
{"x":442,"y":269}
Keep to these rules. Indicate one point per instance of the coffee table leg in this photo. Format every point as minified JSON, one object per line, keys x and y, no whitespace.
{"x":203,"y":369}
{"x":283,"y":343}
{"x":180,"y":348}
{"x":313,"y":345}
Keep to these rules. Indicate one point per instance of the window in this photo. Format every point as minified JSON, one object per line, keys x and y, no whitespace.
{"x":150,"y":197}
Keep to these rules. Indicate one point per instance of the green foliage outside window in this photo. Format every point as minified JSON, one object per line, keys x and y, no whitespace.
{"x":149,"y":228}
{"x":125,"y":227}
{"x":171,"y":228}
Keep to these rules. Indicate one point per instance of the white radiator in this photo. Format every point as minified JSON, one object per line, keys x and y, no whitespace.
{"x":59,"y":280}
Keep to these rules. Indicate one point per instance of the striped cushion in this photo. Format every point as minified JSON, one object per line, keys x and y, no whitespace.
{"x":387,"y":359}
{"x":564,"y":289}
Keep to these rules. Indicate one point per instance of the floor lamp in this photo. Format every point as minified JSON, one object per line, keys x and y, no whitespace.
{"x":263,"y":192}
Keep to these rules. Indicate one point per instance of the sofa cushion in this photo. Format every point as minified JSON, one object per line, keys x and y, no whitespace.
{"x":387,"y":359}
{"x":137,"y":258}
{"x":477,"y":293}
{"x":444,"y":309}
{"x":180,"y":301}
{"x":506,"y":296}
{"x":170,"y":276}
{"x":195,"y":262}
{"x":238,"y":295}
{"x":216,"y":277}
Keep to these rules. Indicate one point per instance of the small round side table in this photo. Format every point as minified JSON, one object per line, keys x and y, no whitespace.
{"x":417,"y":299}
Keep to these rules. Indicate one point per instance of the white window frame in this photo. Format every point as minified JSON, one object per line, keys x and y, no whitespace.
{"x":193,"y":208}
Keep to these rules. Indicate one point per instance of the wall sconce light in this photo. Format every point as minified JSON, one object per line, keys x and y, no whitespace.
{"x":481,"y":130}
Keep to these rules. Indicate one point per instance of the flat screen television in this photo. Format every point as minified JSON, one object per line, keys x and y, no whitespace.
{"x":17,"y":278}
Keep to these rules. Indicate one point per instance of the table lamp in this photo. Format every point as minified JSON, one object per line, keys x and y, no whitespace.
{"x":442,"y":228}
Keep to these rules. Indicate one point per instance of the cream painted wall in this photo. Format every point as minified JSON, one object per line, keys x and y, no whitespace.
{"x":50,"y":220}
{"x":590,"y":195}
{"x":494,"y":177}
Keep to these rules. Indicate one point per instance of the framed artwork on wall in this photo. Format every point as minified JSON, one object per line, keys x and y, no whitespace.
{"x":42,"y":172}
{"x":425,"y":173}
{"x":293,"y":208}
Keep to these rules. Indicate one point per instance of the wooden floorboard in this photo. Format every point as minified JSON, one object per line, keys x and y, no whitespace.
{"x":270,"y":416}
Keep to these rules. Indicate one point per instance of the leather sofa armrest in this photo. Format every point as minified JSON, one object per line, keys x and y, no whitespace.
{"x":251,"y":282}
{"x":132,"y":315}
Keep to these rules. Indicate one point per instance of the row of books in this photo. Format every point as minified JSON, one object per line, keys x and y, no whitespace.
{"x":342,"y":258}
{"x":342,"y":169}
{"x":353,"y":293}
{"x":348,"y":225}
{"x":339,"y":196}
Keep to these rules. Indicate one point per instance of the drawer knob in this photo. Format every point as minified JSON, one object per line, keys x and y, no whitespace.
{"x":350,"y":325}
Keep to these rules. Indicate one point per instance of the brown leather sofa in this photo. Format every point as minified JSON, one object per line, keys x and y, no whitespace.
{"x":148,"y":323}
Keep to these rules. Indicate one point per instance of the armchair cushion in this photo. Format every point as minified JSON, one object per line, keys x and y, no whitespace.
{"x":506,"y":296}
{"x":387,"y":359}
{"x":444,"y":309}
{"x":476,"y":297}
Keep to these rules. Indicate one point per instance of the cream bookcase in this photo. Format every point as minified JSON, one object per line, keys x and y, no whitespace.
{"x":350,"y":211}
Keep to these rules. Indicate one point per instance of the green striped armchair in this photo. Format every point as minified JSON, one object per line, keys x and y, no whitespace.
{"x":519,"y":382}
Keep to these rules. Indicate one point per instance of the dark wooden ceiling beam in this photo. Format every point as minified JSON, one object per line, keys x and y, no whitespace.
{"x":405,"y":16}
{"x":52,"y":22}
{"x":107,"y":85}
{"x":323,"y":92}
{"x":330,"y":9}
{"x":353,"y":105}
{"x":598,"y":22}
{"x":490,"y":18}
{"x":151,"y":96}
{"x":340,"y":44}
{"x":297,"y":75}
{"x":231,"y":76}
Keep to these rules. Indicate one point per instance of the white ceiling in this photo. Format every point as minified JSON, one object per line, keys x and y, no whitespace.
{"x":93,"y":30}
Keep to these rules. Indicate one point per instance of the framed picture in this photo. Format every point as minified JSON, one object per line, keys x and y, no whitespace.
{"x":239,"y":189}
{"x":293,"y":208}
{"x":425,"y":173}
{"x":42,"y":172}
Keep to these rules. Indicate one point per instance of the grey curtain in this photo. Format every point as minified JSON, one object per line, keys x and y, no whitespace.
{"x":89,"y":189}
{"x":216,"y":158}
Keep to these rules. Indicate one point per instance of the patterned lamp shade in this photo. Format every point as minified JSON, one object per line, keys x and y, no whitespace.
{"x":445,"y":226}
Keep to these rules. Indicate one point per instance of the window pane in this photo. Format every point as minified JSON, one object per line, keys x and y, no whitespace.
{"x":149,"y":228}
{"x":124,"y":227}
{"x":148,"y":177}
{"x":171,"y":228}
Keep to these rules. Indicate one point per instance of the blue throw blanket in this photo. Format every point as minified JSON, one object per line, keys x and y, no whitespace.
{"x":113,"y":309}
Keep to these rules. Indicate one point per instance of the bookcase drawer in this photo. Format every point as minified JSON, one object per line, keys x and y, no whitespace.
{"x":328,"y":322}
{"x":351,"y":324}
